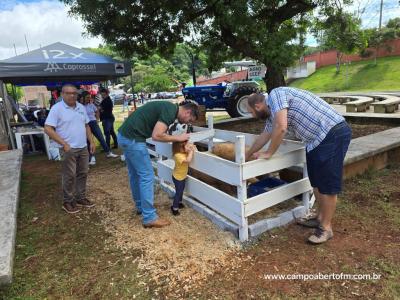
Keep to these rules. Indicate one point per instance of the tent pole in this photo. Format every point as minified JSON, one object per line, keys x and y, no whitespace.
{"x":14,"y":90}
{"x":134,"y":102}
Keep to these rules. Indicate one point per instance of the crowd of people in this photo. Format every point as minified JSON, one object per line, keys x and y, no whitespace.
{"x":72,"y":125}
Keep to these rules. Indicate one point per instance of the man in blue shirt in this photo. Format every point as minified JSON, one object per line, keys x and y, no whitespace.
{"x":326,"y":135}
{"x":67,"y":125}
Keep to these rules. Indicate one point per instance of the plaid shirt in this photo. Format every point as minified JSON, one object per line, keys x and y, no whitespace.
{"x":309,"y":117}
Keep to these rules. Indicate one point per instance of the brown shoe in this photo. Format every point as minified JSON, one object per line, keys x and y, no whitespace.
{"x":157,"y":223}
{"x":320,"y":236}
{"x":85,"y":203}
{"x":70,"y":208}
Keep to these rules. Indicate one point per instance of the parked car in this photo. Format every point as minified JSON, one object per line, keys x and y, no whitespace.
{"x":178,"y":94}
{"x":117,"y":96}
{"x":166,"y":95}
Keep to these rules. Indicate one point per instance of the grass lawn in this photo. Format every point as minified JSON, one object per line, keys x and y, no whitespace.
{"x":358,"y":76}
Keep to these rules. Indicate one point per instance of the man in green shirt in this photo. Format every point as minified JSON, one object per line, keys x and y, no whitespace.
{"x":150,"y":120}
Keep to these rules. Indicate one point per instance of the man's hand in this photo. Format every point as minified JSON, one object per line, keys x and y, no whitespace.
{"x":182,"y":137}
{"x":264,"y":155}
{"x":92,"y":147}
{"x":66,"y":147}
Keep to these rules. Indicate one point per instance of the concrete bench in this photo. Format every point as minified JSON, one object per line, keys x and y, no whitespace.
{"x":10,"y":166}
{"x":389,"y":105}
{"x":338,"y":99}
{"x":360,"y":105}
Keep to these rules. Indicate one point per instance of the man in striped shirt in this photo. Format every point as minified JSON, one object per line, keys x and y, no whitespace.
{"x":326,"y":135}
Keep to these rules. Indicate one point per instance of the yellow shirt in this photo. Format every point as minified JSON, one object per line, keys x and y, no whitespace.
{"x":181,"y":167}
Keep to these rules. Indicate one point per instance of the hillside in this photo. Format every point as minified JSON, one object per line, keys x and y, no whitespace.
{"x":357,"y":76}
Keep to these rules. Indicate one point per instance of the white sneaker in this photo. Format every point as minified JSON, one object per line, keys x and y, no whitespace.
{"x":92,"y":161}
{"x":122,"y":157}
{"x":111,"y":155}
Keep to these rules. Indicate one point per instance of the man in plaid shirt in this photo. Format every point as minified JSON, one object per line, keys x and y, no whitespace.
{"x":326,"y":135}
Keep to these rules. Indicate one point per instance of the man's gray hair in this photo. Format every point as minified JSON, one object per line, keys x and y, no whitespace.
{"x":255,"y":98}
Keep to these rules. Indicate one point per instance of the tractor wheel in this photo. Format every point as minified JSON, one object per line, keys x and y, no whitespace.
{"x":237,"y":106}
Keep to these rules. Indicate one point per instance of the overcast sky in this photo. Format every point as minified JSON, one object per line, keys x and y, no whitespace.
{"x":47,"y":22}
{"x":43,"y":22}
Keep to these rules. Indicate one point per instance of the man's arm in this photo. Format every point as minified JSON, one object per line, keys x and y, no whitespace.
{"x":160,"y":134}
{"x":50,"y":131}
{"x":97,"y":114}
{"x":278,"y":133}
{"x":89,"y":136}
{"x":262,"y":139}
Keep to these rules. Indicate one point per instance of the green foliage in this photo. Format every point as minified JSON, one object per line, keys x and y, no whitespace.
{"x":15,"y":91}
{"x":155,"y":73}
{"x":106,"y":50}
{"x":394,"y":23}
{"x":358,"y":76}
{"x":270,"y":32}
{"x":341,"y":31}
{"x":312,"y":49}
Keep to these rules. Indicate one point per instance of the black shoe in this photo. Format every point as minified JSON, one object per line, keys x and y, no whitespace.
{"x":115,"y":146}
{"x":310,"y":223}
{"x":181,"y":205}
{"x":175,"y":211}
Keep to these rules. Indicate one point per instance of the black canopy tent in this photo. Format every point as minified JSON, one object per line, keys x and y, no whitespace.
{"x":54,"y":65}
{"x":59,"y":63}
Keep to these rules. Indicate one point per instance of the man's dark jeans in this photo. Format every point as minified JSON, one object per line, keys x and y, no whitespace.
{"x":108,"y":127}
{"x":94,"y":127}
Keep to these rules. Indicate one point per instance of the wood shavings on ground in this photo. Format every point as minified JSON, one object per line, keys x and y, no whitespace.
{"x":182,"y":254}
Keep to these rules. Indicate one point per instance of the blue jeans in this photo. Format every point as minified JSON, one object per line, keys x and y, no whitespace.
{"x":108,"y":128}
{"x":125,"y":105}
{"x":95,"y":129}
{"x":179,"y":188}
{"x":141,"y":177}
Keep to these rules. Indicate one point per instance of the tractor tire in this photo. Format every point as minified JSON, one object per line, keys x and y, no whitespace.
{"x":237,"y":106}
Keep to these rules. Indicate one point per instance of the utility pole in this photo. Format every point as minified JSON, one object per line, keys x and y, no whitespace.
{"x":15,"y":50}
{"x":26,"y":41}
{"x":193,"y":69}
{"x":380,"y":27}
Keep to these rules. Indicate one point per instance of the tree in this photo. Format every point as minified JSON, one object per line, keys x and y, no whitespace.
{"x":341,"y":31}
{"x":267,"y":31}
{"x":395,"y":24}
{"x":377,"y":38}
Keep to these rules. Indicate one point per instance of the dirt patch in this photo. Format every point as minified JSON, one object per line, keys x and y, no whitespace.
{"x":183,"y":253}
{"x":62,"y":256}
{"x":255,"y":127}
{"x":365,"y":242}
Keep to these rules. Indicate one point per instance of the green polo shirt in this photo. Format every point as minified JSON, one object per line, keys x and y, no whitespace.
{"x":140,"y":124}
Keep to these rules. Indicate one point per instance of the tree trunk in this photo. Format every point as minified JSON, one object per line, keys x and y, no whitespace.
{"x":274,"y":78}
{"x":338,"y":61}
{"x":376,"y":54}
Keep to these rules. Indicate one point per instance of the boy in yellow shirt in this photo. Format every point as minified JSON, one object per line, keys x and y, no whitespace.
{"x":183,"y":154}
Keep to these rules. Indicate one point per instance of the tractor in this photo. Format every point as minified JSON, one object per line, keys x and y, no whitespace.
{"x":232,"y":97}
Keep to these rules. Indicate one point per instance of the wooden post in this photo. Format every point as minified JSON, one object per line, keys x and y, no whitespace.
{"x":210,"y":123}
{"x":240,"y":156}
